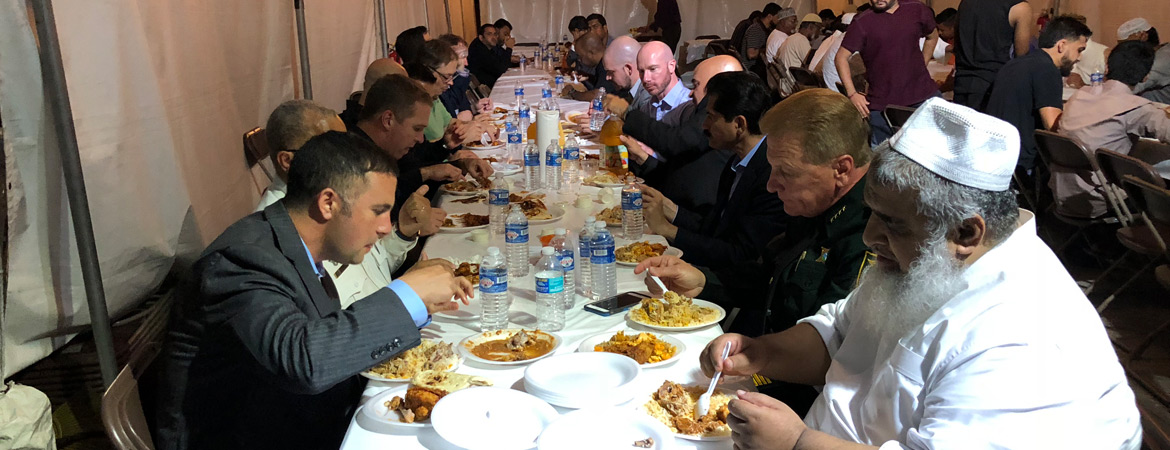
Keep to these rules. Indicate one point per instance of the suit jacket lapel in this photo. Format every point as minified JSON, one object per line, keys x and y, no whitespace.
{"x":293,"y":248}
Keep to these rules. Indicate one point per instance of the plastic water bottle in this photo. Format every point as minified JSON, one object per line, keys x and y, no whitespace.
{"x":515,"y":139}
{"x":523,"y":63}
{"x":516,"y":241}
{"x":584,"y":272}
{"x":550,"y":285}
{"x":518,"y":93}
{"x":631,"y":210}
{"x":552,"y":166}
{"x":559,"y":80}
{"x":598,"y":116}
{"x":603,"y":263}
{"x":570,"y":164}
{"x":498,"y":205}
{"x":547,"y":102}
{"x":1098,"y":76}
{"x":532,"y":179}
{"x":525,"y":114}
{"x":566,"y":257}
{"x":493,"y":291}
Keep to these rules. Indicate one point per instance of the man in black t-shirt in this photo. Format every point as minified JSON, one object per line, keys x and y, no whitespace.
{"x":987,"y":32}
{"x":1027,"y":91}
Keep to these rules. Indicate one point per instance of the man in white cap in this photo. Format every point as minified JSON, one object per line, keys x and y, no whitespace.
{"x":968,"y":332}
{"x":785,"y":26}
{"x":822,"y":60}
{"x":1136,"y":29}
{"x":795,"y":50}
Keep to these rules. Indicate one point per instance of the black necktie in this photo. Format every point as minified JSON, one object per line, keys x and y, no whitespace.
{"x":330,"y":288}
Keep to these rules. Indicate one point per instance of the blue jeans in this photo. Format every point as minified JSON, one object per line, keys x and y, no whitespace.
{"x":879,"y":128}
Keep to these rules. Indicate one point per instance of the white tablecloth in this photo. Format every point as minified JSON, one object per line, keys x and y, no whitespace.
{"x":579,"y":325}
{"x":504,"y":96}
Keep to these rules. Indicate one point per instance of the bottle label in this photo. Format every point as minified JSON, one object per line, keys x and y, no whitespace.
{"x":516,"y":234}
{"x":514,"y":138}
{"x":518,"y":91}
{"x":602,"y":255}
{"x":493,"y":283}
{"x":583,"y":249}
{"x":546,"y":93}
{"x":549,"y":285}
{"x":560,"y":79}
{"x":572,"y":153}
{"x":1097,"y":78}
{"x":531,"y":160}
{"x":498,"y":197}
{"x":631,"y":200}
{"x":525,"y":114}
{"x":566,"y":261}
{"x":553,"y":159}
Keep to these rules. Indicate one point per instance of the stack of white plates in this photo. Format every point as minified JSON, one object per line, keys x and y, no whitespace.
{"x":580,"y":380}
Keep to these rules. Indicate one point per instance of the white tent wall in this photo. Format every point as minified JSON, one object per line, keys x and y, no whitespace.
{"x":550,"y":18}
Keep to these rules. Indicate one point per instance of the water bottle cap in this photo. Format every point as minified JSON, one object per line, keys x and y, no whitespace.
{"x":547,"y":251}
{"x":600,"y":225}
{"x":590,"y":219}
{"x":494,"y":251}
{"x":552,"y":142}
{"x":559,"y":231}
{"x":532,"y":141}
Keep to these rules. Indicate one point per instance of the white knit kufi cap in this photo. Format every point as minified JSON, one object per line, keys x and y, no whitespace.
{"x":786,"y":13}
{"x":960,"y":144}
{"x":1131,"y":27}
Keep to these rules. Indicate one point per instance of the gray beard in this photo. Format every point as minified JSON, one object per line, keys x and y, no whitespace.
{"x":890,"y":305}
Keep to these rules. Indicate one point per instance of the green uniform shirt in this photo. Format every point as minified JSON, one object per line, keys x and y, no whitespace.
{"x":818,"y":260}
{"x":438,"y":122}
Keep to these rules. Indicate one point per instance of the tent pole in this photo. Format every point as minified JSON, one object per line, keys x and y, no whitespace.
{"x":303,"y":46}
{"x":383,"y":38}
{"x":53,"y":74}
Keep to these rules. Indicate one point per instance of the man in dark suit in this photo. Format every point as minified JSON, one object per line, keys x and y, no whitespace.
{"x":484,"y":60}
{"x":260,"y":353}
{"x":672,"y":155}
{"x":746,"y":216}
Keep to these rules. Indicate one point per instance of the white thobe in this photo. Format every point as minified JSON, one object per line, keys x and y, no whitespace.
{"x":355,"y":282}
{"x":775,"y":40}
{"x":1018,"y":360}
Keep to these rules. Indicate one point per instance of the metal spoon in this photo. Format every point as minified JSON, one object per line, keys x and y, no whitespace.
{"x":704,"y":402}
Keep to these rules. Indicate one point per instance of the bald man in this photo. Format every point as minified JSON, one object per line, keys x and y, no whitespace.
{"x":289,"y":127}
{"x":377,"y":69}
{"x":676,"y":158}
{"x":656,"y":62}
{"x":590,"y":54}
{"x":621,"y":68}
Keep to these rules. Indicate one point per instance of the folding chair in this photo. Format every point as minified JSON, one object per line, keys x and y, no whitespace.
{"x":1149,"y":238}
{"x":1062,"y":154}
{"x":122,"y":413}
{"x":1150,"y":151}
{"x":1116,"y":166}
{"x":805,"y":79}
{"x":472,"y":97}
{"x":256,"y":154}
{"x":897,"y":116}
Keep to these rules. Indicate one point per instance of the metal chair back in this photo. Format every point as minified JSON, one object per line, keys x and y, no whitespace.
{"x":805,"y":79}
{"x":122,"y":413}
{"x":897,"y":116}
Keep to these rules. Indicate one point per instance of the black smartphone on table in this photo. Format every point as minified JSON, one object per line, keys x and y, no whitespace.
{"x":616,"y":304}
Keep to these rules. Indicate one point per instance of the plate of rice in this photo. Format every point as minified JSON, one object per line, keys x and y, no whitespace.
{"x":674,"y":312}
{"x":430,"y":354}
{"x":674,"y":405}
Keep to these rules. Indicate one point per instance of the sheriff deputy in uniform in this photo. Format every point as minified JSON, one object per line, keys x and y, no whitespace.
{"x":818,"y":148}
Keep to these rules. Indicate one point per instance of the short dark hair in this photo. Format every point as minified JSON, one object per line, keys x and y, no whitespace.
{"x":734,"y":94}
{"x":395,"y":93}
{"x":452,"y":39}
{"x":483,"y":28}
{"x":334,"y":160}
{"x":949,"y":16}
{"x":771,"y":9}
{"x":827,"y":14}
{"x":598,"y":17}
{"x":1063,"y":27}
{"x":578,"y":23}
{"x":420,"y":72}
{"x":434,"y":54}
{"x":1130,"y":61}
{"x":1152,"y":37}
{"x":504,"y":23}
{"x":409,"y":43}
{"x":755,"y":15}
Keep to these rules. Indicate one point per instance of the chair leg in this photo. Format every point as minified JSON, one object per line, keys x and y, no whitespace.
{"x":1106,"y":273}
{"x":1135,"y":276}
{"x":1070,"y":240}
{"x":1141,"y":348}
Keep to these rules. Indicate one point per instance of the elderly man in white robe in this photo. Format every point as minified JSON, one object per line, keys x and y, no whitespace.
{"x":966,"y":333}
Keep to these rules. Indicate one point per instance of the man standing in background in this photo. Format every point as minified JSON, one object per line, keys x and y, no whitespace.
{"x":988,"y":31}
{"x":668,"y":22}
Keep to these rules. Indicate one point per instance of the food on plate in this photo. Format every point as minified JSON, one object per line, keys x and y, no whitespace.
{"x":426,"y":389}
{"x":465,"y":220}
{"x":645,"y":348}
{"x":672,"y":310}
{"x":645,"y":443}
{"x":470,"y":271}
{"x":478,"y":144}
{"x":603,"y":177}
{"x":477,"y":198}
{"x":674,"y":406}
{"x":428,"y":355}
{"x":611,"y":216}
{"x":517,"y":198}
{"x":534,"y":208}
{"x":466,"y":186}
{"x":519,"y":346}
{"x":638,"y":251}
{"x":500,"y":110}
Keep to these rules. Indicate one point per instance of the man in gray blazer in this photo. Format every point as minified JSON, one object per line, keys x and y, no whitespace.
{"x":260,"y":353}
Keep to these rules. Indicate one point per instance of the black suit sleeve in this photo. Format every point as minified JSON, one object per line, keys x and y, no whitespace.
{"x":759,"y":223}
{"x":299,"y":353}
{"x":686,"y":140}
{"x":687,"y":219}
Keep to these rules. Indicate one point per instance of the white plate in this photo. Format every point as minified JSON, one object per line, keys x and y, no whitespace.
{"x":491,"y":418}
{"x":465,"y":345}
{"x":669,"y":251}
{"x":592,"y":341}
{"x":478,"y":148}
{"x":720,"y":313}
{"x":471,"y":311}
{"x":557,"y":213}
{"x":376,"y":417}
{"x":459,"y":229}
{"x":462,"y":194}
{"x":583,"y":379}
{"x":604,"y":428}
{"x":505,"y":168}
{"x":648,"y":397}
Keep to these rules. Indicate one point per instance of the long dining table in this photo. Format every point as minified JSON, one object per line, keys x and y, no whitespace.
{"x":579,"y":324}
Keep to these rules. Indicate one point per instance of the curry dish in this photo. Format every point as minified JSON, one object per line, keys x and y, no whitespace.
{"x":645,"y":348}
{"x":521,"y":346}
{"x":674,"y":406}
{"x":638,"y":252}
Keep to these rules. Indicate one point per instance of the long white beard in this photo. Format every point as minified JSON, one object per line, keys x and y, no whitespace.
{"x":891,"y":305}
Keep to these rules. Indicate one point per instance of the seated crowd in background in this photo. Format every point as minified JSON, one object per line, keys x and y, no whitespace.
{"x":884,"y":277}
